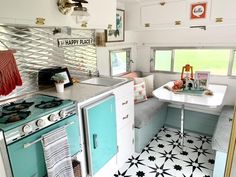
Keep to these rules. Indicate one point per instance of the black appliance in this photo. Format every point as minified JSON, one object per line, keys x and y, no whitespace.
{"x":45,"y":75}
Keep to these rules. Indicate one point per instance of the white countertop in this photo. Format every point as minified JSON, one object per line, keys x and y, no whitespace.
{"x":78,"y":92}
{"x":203,"y":100}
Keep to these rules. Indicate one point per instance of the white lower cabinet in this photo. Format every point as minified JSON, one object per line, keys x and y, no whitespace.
{"x":125,"y":144}
{"x":125,"y":122}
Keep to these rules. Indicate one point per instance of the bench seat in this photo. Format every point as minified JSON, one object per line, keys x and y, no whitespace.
{"x":150,"y":117}
{"x":221,"y":137}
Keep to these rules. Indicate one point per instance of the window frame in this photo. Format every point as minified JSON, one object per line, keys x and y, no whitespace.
{"x":128,"y":62}
{"x":231,"y":63}
{"x":154,"y":49}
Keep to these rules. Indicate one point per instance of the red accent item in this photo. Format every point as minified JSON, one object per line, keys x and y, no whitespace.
{"x":9,"y":73}
{"x":198,"y":10}
{"x":178,"y":85}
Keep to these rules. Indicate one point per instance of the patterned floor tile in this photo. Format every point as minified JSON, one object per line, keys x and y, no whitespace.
{"x":164,"y":157}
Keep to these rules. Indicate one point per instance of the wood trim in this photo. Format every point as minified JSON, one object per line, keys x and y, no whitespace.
{"x":232,"y":146}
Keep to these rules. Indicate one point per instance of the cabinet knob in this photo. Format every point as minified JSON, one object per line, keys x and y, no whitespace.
{"x":147,"y":25}
{"x":219,"y":20}
{"x":177,"y":23}
{"x":126,"y":117}
{"x":124,"y":103}
{"x":40,"y":21}
{"x":84,"y":24}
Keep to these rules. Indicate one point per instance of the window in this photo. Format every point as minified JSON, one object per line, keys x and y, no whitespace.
{"x":120,"y":61}
{"x":163,"y":60}
{"x":214,"y":60}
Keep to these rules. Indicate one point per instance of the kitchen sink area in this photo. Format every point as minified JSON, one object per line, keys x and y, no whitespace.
{"x":104,"y":81}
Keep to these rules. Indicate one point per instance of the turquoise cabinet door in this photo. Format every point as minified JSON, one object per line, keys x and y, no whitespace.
{"x":101,"y":133}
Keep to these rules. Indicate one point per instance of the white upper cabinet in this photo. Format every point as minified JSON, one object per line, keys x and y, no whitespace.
{"x":26,"y":11}
{"x":225,"y":10}
{"x":177,"y":13}
{"x":132,"y":16}
{"x":157,"y":15}
{"x":102,"y":13}
{"x":151,"y":15}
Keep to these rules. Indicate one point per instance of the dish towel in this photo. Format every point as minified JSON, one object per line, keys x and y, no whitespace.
{"x":9,"y":73}
{"x":56,"y":154}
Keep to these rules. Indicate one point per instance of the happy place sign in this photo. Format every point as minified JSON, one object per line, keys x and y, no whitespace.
{"x":71,"y":42}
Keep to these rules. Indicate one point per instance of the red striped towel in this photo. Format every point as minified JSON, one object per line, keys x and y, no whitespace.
{"x":9,"y":73}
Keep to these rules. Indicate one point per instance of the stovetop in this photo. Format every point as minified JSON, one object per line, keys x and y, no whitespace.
{"x":20,"y":112}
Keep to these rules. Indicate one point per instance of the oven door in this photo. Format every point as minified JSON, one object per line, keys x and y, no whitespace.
{"x":29,"y":162}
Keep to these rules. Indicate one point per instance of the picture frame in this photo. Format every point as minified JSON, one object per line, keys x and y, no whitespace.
{"x":117,"y":35}
{"x":198,"y":10}
{"x":203,"y":78}
{"x":65,"y":72}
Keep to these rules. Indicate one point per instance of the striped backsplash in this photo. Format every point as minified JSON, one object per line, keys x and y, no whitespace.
{"x":36,"y":48}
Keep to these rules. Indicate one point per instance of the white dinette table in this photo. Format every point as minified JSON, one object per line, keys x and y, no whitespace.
{"x":210,"y":101}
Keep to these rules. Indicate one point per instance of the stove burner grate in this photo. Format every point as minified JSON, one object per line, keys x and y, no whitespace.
{"x":49,"y":104}
{"x":14,"y":116}
{"x":14,"y":107}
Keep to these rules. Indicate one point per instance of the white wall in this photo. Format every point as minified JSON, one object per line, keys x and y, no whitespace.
{"x":212,"y":37}
{"x":103,"y":60}
{"x":142,"y":40}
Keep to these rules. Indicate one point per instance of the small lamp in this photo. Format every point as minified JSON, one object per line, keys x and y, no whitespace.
{"x":81,"y":13}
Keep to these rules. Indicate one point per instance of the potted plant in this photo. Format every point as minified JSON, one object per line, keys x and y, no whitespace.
{"x":59,"y":82}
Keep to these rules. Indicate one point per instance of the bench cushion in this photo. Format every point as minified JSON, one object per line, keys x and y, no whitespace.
{"x":221,"y":137}
{"x":145,"y":111}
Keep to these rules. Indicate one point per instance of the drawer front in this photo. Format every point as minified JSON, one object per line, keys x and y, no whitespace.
{"x":125,"y":116}
{"x":124,"y":104}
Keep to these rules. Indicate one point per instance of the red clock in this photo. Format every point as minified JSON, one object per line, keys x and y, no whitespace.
{"x":198,"y":10}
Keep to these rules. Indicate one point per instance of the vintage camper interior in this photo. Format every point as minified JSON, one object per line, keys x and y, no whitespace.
{"x":117,"y":88}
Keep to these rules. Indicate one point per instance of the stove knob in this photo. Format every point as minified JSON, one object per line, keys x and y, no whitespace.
{"x":62,"y":113}
{"x":40,"y":123}
{"x":53,"y":118}
{"x":27,"y":128}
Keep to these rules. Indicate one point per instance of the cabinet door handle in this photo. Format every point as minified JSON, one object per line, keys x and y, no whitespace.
{"x":124,"y":103}
{"x":126,"y":117}
{"x":95,"y":141}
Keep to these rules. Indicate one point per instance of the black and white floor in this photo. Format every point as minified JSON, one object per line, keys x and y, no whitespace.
{"x":163,"y":157}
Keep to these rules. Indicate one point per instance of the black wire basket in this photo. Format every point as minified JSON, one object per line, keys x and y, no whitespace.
{"x":76,"y":168}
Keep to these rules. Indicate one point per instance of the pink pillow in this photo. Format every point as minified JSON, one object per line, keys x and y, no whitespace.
{"x":140,"y":92}
{"x":131,"y":75}
{"x":148,"y":84}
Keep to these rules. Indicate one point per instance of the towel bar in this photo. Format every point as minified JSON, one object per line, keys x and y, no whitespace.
{"x":32,"y":143}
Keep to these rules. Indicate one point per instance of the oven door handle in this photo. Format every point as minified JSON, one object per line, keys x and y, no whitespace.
{"x":40,"y":139}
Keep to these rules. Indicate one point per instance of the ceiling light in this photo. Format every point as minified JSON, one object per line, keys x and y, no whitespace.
{"x":65,"y":7}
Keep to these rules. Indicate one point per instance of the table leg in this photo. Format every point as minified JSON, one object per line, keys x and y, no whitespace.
{"x":182,"y":127}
